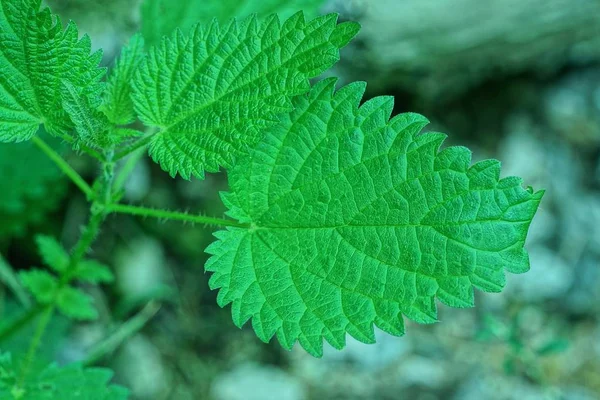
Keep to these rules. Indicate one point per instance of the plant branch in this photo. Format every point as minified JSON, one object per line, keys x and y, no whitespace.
{"x":64,"y":166}
{"x":35,"y":342}
{"x":8,"y":276}
{"x":173,"y":215}
{"x":135,"y":146}
{"x":126,"y":330}
{"x":85,"y":241}
{"x":21,"y":322}
{"x":102,"y":198}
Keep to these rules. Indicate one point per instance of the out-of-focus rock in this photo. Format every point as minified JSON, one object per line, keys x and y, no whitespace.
{"x":140,"y":364}
{"x":584,"y":296}
{"x":549,"y":277}
{"x":257,"y":382}
{"x":541,"y":159}
{"x":572,"y":108}
{"x":140,"y":267}
{"x":139,"y":182}
{"x":423,"y":372}
{"x":368,"y":357}
{"x":499,"y":387}
{"x":441,"y":48}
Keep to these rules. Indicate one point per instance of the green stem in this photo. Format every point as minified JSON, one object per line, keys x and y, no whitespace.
{"x":99,"y":210}
{"x":64,"y":166}
{"x":178,"y":216}
{"x":9,"y":277}
{"x":135,"y":146}
{"x":35,"y":343}
{"x":126,"y":330}
{"x":108,"y":177}
{"x":98,"y":213}
{"x":85,"y":241}
{"x":21,"y":322}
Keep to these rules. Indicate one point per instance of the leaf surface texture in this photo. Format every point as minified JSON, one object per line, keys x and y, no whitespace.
{"x":37,"y":59}
{"x":212,"y":93}
{"x":357,"y":220}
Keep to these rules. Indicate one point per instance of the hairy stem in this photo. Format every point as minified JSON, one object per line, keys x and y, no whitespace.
{"x":88,"y":235}
{"x":64,"y":166}
{"x":172,"y":215}
{"x":135,"y":146}
{"x":35,"y":343}
{"x":108,"y":177}
{"x":85,"y":242}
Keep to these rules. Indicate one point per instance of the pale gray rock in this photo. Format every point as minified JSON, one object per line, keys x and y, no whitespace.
{"x":251,"y":381}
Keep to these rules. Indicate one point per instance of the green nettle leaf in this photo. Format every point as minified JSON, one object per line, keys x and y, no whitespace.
{"x":75,"y":304}
{"x":91,"y":125}
{"x":162,"y":17}
{"x":212,"y":94}
{"x":27,"y":194}
{"x":42,"y":284}
{"x":118,"y":105}
{"x":52,"y":252}
{"x":37,"y":59}
{"x":93,"y":272}
{"x":71,"y":382}
{"x":355,"y":220}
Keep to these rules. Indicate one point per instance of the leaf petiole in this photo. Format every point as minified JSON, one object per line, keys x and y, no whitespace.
{"x":135,"y":146}
{"x":172,"y":215}
{"x":64,"y":167}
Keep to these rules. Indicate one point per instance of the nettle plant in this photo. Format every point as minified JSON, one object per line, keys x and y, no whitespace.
{"x":340,"y":218}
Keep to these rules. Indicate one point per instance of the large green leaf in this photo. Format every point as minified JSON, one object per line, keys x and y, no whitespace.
{"x":37,"y":60}
{"x":355,"y":220}
{"x":212,"y":93}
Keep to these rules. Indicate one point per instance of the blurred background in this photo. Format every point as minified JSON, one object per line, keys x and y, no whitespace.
{"x":516,"y":80}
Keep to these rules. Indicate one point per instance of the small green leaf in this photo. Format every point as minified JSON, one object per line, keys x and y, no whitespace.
{"x":93,"y":272}
{"x":75,"y":304}
{"x":161,"y":17}
{"x":212,"y":93}
{"x":71,"y":382}
{"x":90,"y":124}
{"x":37,"y":59}
{"x":52,"y":252}
{"x":358,"y":220}
{"x":118,"y":105}
{"x":40,"y":283}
